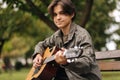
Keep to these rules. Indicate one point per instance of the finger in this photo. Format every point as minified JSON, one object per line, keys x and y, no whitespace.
{"x":63,"y":49}
{"x":37,"y":60}
{"x":40,"y":60}
{"x":60,"y":53}
{"x":38,"y":64}
{"x":35,"y":65}
{"x":57,"y":54}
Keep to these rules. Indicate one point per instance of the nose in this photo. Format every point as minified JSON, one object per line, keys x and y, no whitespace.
{"x":58,"y":17}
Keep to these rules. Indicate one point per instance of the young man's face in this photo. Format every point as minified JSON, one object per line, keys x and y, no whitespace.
{"x":61,"y":19}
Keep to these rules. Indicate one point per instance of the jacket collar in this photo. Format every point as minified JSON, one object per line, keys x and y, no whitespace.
{"x":71,"y":33}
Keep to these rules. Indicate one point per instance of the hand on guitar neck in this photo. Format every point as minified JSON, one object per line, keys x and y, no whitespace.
{"x":60,"y":57}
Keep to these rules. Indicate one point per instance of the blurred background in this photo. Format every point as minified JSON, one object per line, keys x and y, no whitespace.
{"x":23,"y":23}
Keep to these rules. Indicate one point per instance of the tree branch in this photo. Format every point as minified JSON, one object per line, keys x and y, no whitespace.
{"x":87,"y":12}
{"x":41,"y":15}
{"x":45,"y":2}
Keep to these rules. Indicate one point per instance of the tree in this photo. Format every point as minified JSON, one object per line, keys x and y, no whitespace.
{"x":16,"y":23}
{"x":19,"y":32}
{"x":7,"y":28}
{"x":91,"y":15}
{"x":100,"y":21}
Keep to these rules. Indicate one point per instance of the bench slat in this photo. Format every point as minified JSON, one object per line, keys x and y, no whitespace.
{"x":107,"y":54}
{"x":109,"y":65}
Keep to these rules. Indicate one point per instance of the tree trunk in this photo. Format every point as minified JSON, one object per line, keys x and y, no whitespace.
{"x":1,"y":46}
{"x":87,"y":12}
{"x":7,"y":63}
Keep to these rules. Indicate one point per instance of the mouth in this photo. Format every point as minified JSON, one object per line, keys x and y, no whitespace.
{"x":59,"y":22}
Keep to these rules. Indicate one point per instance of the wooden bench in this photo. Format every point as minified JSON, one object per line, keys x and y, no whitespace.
{"x":107,"y":60}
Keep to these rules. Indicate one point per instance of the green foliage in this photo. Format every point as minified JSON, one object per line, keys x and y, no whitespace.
{"x":23,"y":40}
{"x":100,"y":21}
{"x":16,"y":46}
{"x":26,"y":24}
{"x":21,"y":31}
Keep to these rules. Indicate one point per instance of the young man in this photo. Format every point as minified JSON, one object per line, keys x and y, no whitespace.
{"x":68,"y":36}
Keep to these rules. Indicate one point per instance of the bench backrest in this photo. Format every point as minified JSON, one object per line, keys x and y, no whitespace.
{"x":107,"y":60}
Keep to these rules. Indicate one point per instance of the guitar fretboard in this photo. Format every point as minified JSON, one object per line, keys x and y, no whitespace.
{"x":48,"y":59}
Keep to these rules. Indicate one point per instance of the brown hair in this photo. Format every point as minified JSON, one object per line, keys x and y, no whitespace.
{"x":67,"y":5}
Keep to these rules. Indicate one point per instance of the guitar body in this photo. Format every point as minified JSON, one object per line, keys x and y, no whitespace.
{"x":49,"y":72}
{"x":46,"y":71}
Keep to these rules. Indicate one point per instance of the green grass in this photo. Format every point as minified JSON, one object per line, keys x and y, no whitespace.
{"x":14,"y":75}
{"x":21,"y":75}
{"x":111,"y":75}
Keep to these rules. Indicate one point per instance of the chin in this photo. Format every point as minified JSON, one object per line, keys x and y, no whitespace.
{"x":59,"y":26}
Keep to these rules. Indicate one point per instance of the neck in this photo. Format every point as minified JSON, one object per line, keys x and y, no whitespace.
{"x":66,"y":29}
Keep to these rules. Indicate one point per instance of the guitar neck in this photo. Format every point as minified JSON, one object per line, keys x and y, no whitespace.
{"x":49,"y":59}
{"x":69,"y":54}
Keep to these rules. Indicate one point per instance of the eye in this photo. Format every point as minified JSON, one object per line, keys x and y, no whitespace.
{"x":62,"y":12}
{"x":54,"y":14}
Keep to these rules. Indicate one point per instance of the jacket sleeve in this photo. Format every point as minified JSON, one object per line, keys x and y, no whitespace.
{"x":83,"y":64}
{"x":42,"y":45}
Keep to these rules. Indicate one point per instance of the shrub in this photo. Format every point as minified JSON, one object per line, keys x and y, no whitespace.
{"x":18,"y":65}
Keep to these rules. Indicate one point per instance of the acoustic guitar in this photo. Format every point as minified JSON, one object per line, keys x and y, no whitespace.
{"x":49,"y":67}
